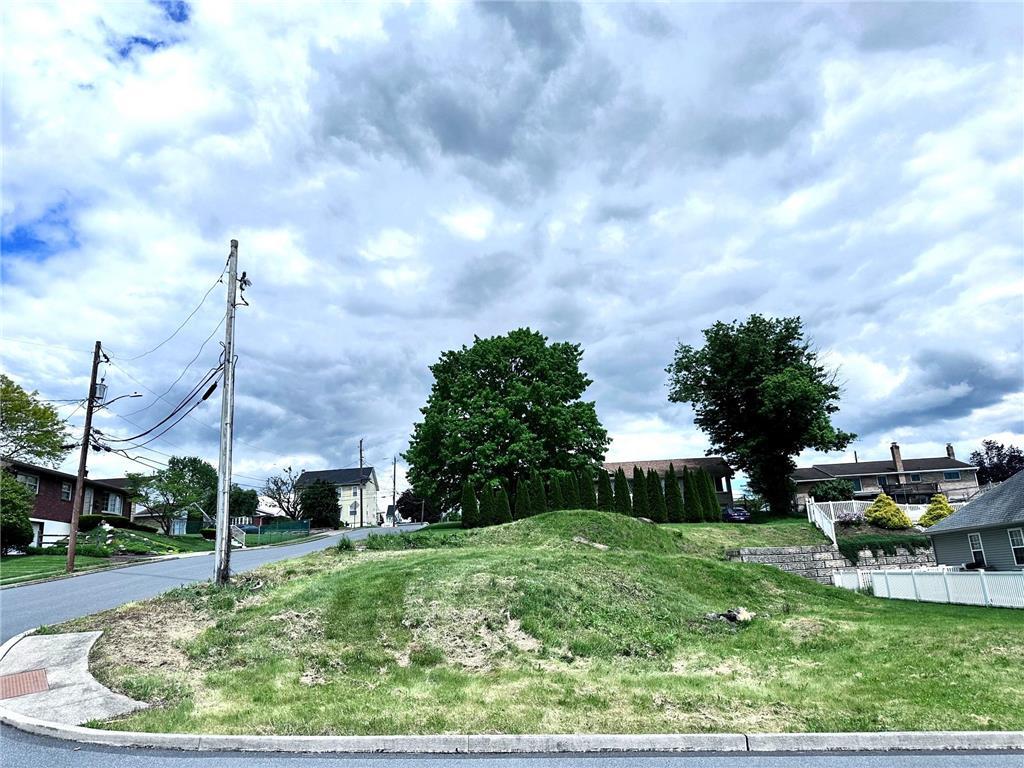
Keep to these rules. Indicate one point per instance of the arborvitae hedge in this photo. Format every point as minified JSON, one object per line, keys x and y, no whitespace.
{"x":486,"y":507}
{"x":656,"y":498}
{"x":712,"y":512}
{"x":522,"y":509}
{"x":588,"y":499}
{"x":470,"y":510}
{"x":640,"y":493}
{"x":693,"y":508}
{"x":623,"y":504}
{"x":572,"y":492}
{"x":538,"y":498}
{"x":557,"y":492}
{"x":502,"y":509}
{"x":673,"y":496}
{"x":605,"y":495}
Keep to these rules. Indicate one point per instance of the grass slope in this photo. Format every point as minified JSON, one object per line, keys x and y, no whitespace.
{"x":520,"y":629}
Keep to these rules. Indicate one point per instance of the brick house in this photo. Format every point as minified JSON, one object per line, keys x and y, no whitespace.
{"x":720,"y":471}
{"x":907,"y":481}
{"x":54,"y":491}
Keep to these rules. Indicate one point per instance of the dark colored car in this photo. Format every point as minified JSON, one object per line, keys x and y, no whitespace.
{"x":735,"y":515}
{"x":249,"y":528}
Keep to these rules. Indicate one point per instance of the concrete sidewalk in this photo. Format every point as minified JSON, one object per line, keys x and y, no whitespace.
{"x":47,"y":677}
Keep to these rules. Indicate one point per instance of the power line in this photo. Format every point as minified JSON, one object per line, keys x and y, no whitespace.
{"x":174,"y":411}
{"x":48,"y":346}
{"x":185,"y":321}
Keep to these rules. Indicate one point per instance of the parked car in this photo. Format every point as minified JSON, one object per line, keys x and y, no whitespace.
{"x":249,"y":528}
{"x":735,"y":515}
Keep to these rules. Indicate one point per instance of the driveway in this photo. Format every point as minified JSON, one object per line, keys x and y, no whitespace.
{"x":52,"y":602}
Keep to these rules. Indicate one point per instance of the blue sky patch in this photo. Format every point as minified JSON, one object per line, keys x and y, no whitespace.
{"x":129,"y":43}
{"x":42,"y":237}
{"x":175,"y":10}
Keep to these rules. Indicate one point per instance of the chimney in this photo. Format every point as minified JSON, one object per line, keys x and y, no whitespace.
{"x":949,"y":451}
{"x":855,"y":458}
{"x":897,"y":459}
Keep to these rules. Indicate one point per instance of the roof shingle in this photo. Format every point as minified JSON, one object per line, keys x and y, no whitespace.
{"x":1003,"y":505}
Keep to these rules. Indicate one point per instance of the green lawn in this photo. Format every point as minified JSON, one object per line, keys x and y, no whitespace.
{"x":566,"y":622}
{"x":716,"y":538}
{"x":273,"y":537}
{"x":15,"y":568}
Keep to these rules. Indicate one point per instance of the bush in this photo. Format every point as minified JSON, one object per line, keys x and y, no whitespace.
{"x":15,"y":504}
{"x":90,"y":550}
{"x":884,"y":513}
{"x":346,"y":545}
{"x":938,"y":509}
{"x":835,"y":489}
{"x":851,"y":546}
{"x":208,"y":533}
{"x":90,"y":522}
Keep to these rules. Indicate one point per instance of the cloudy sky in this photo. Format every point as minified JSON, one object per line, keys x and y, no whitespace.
{"x":402,"y":177}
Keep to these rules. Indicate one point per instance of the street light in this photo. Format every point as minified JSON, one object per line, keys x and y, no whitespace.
{"x":101,"y":395}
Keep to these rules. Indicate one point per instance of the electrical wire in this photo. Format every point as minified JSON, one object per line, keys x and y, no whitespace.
{"x":191,"y":314}
{"x":174,"y":411}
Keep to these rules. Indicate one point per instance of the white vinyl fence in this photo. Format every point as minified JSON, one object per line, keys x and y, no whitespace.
{"x":835,"y":508}
{"x":1003,"y":589}
{"x":823,"y":518}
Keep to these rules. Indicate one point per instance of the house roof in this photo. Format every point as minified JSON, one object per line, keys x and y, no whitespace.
{"x":858,"y":468}
{"x":348,"y":476}
{"x":715,"y":465}
{"x":26,"y":467}
{"x":1003,"y":505}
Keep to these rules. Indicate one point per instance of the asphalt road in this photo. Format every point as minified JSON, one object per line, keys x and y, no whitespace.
{"x":26,"y":607}
{"x":22,"y":749}
{"x":51,"y":602}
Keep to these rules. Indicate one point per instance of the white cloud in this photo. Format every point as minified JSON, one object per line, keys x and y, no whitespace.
{"x":391,"y":245}
{"x":472,"y":223}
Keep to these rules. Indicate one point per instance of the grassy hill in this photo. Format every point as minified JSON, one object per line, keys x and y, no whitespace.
{"x":530,"y":627}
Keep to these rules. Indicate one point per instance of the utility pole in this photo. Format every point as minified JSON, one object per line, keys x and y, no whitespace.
{"x":222,"y":573}
{"x":76,"y":507}
{"x":394,"y":484}
{"x":360,"y":482}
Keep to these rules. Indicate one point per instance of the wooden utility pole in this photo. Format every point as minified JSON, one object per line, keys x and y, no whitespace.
{"x":360,"y":482}
{"x":222,"y":565}
{"x":394,"y":485}
{"x":76,"y":506}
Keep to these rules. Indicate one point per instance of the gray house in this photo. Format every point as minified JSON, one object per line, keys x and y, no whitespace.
{"x":988,"y":531}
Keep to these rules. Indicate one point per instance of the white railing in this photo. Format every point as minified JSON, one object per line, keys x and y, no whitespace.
{"x":836,"y":508}
{"x":823,"y":518}
{"x":238,"y":536}
{"x":1002,"y":589}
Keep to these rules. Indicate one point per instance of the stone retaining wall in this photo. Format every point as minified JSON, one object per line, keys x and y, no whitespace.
{"x":819,"y":562}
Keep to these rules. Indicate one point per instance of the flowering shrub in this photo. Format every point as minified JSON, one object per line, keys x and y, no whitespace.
{"x":849,"y":517}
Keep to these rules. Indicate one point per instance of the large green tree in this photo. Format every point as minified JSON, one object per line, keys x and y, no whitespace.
{"x":761,"y":396}
{"x":187,"y":486}
{"x":16,"y":503}
{"x":319,"y":503}
{"x":997,"y":462}
{"x":500,"y":408}
{"x":30,"y":430}
{"x":245,"y":502}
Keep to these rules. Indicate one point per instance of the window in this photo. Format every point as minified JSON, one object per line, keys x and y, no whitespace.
{"x":915,"y":478}
{"x":113,"y":506}
{"x":65,"y":491}
{"x":856,"y":484}
{"x":1017,"y":544}
{"x":954,"y":475}
{"x":352,"y":509}
{"x":29,"y":481}
{"x":977,"y":552}
{"x":881,"y":481}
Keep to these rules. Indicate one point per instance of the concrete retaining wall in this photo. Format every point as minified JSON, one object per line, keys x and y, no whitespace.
{"x":819,"y":562}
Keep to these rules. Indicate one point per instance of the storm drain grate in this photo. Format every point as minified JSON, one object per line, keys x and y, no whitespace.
{"x":22,"y":683}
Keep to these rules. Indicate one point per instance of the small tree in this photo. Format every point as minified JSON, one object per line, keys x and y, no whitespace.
{"x":623,"y":503}
{"x":938,"y":509}
{"x":712,"y":510}
{"x":470,"y":510}
{"x":640,"y":506}
{"x":693,"y":508}
{"x":245,"y":502}
{"x":16,"y":504}
{"x":673,"y":496}
{"x":557,"y":492}
{"x":319,"y":502}
{"x":585,"y":480}
{"x":835,"y":489}
{"x":884,"y":513}
{"x":281,"y":490}
{"x":656,"y":498}
{"x":502,"y":509}
{"x":572,"y":491}
{"x":522,"y":509}
{"x":538,"y":498}
{"x":605,"y":495}
{"x":487,"y":516}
